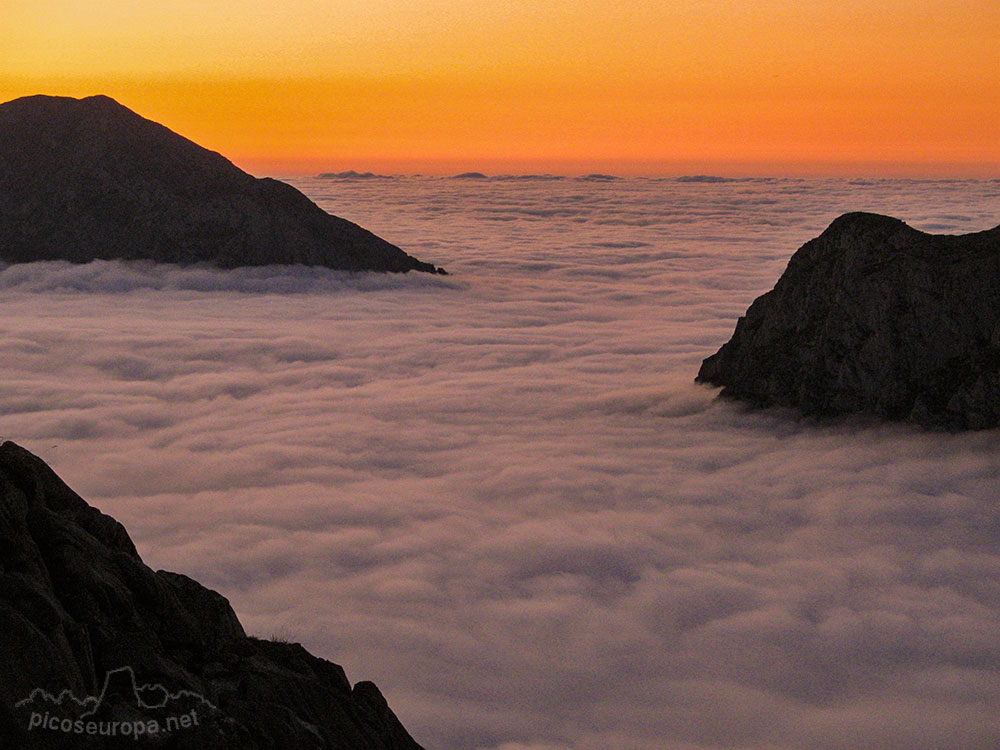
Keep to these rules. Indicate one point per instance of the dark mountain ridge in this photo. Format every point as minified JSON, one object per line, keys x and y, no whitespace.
{"x":86,"y":179}
{"x":90,"y":636}
{"x":875,"y":317}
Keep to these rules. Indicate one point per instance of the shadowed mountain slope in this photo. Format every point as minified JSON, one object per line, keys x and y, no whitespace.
{"x":86,"y":179}
{"x":89,"y":633}
{"x":879,"y":318}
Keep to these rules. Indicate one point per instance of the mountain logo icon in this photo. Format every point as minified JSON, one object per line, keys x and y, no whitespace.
{"x":123,"y":707}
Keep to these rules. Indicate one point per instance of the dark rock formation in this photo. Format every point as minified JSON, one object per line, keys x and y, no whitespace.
{"x":875,"y":317}
{"x":89,"y":634}
{"x":86,"y":179}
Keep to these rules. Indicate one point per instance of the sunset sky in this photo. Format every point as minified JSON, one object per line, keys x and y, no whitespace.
{"x":846,"y":87}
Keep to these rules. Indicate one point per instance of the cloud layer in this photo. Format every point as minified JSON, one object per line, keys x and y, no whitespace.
{"x":500,"y":495}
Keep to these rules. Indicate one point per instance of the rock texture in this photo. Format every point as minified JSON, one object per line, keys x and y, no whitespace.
{"x":80,"y":612}
{"x":875,"y":317}
{"x":86,"y":179}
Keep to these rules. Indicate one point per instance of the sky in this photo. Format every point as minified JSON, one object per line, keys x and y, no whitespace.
{"x":500,"y":495}
{"x":846,"y":87}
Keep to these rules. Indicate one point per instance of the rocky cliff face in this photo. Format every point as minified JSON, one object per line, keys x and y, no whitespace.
{"x":97,"y":649}
{"x":875,"y":317}
{"x":85,"y":179}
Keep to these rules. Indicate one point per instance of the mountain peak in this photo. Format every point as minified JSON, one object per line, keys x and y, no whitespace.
{"x":87,"y":179}
{"x":876,"y":317}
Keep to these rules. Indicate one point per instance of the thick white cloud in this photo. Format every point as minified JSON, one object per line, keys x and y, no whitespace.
{"x":500,"y":495}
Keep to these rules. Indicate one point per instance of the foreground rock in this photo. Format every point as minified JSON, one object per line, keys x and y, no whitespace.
{"x":86,"y":179}
{"x":875,"y":317}
{"x":90,"y":637}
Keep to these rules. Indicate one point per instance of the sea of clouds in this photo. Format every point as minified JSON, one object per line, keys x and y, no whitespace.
{"x":500,"y":495}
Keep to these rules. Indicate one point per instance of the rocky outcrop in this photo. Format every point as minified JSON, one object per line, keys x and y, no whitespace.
{"x":879,"y":318}
{"x":86,"y":179}
{"x":91,"y":637}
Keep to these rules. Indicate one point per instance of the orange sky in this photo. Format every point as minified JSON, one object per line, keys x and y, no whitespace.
{"x":896,"y":87}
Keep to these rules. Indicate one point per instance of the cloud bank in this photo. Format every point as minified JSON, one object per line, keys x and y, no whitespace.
{"x":501,"y":496}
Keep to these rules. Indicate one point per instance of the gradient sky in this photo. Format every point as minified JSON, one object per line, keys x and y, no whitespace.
{"x":853,"y":87}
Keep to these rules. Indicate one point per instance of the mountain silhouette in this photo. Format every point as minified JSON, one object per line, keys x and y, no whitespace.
{"x":87,"y":179}
{"x":875,"y":317}
{"x":91,"y":636}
